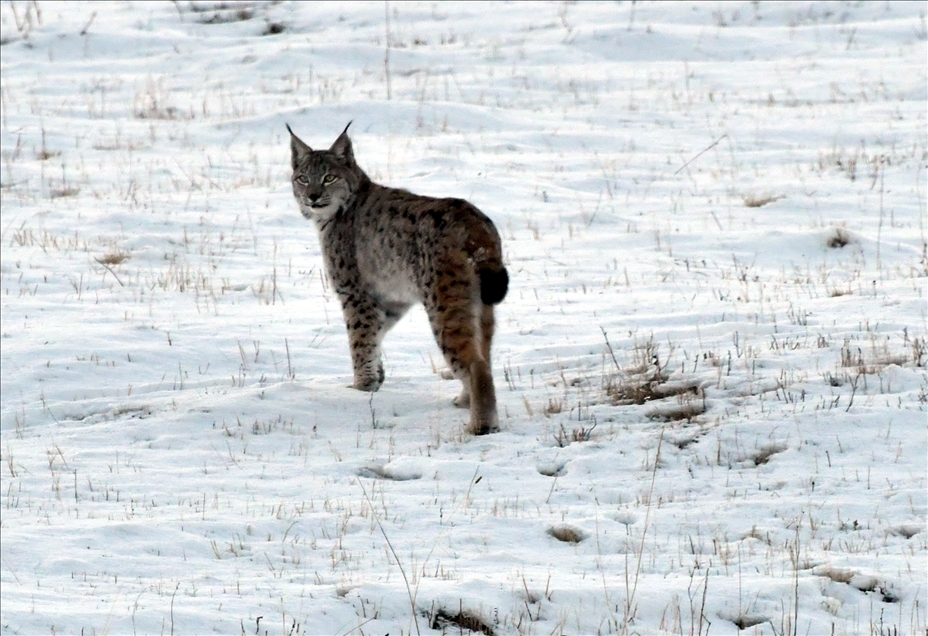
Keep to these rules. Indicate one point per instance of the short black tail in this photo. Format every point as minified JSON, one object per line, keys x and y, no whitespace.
{"x":493,"y":285}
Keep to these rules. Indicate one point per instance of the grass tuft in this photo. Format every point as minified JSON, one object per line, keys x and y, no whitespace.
{"x":566,"y":534}
{"x":685,"y":410}
{"x":578,"y":434}
{"x":61,"y":193}
{"x":112,"y":258}
{"x":223,"y":14}
{"x":759,"y":201}
{"x":745,"y":621}
{"x":839,"y":238}
{"x":763,"y":456}
{"x":375,"y":471}
{"x":462,"y":620}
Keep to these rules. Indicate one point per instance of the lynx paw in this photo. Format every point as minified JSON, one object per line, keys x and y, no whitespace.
{"x":369,"y":382}
{"x":484,"y":425}
{"x":483,"y":416}
{"x":463,"y":400}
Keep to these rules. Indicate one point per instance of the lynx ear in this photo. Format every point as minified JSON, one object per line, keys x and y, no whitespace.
{"x":298,"y":149}
{"x":342,"y":148}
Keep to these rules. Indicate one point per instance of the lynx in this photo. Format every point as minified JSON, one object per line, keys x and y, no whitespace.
{"x":386,"y":249}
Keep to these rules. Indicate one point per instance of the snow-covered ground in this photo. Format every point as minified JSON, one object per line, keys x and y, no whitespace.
{"x":710,"y":365}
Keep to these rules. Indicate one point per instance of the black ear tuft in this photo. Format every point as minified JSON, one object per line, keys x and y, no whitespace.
{"x":342,"y":148}
{"x":298,"y":149}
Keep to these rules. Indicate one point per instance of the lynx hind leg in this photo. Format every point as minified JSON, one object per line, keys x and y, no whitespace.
{"x":487,"y":329}
{"x":483,"y":416}
{"x":454,"y":320}
{"x":485,"y":337}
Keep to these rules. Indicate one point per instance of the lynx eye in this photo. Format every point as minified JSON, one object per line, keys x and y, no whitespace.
{"x":329,"y":178}
{"x":301,"y":180}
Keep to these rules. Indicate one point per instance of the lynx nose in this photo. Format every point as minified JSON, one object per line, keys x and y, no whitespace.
{"x":313,"y":197}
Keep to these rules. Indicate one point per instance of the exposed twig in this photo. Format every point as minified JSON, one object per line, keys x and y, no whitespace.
{"x":701,"y":153}
{"x":93,"y":16}
{"x":629,"y":601}
{"x":412,"y":602}
{"x":289,"y":367}
{"x":110,"y":270}
{"x":611,"y":352}
{"x":172,"y":607}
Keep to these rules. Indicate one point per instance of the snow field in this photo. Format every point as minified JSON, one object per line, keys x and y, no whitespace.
{"x":710,"y":365}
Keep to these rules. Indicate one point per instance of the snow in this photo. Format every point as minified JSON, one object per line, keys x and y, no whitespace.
{"x":710,"y":365}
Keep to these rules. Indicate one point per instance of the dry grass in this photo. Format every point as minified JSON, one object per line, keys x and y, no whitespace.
{"x":461,"y":620}
{"x":745,"y":621}
{"x":223,"y":12}
{"x":763,"y":455}
{"x":838,"y":239}
{"x":647,"y":380}
{"x":113,"y":258}
{"x":642,"y":389}
{"x":837,"y":575}
{"x":567,"y":534}
{"x":636,"y":389}
{"x":61,"y":193}
{"x":578,"y":434}
{"x":685,"y":410}
{"x":759,"y":201}
{"x":375,"y":471}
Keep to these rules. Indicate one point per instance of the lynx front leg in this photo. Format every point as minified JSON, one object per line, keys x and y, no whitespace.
{"x":367,"y":324}
{"x":365,"y":357}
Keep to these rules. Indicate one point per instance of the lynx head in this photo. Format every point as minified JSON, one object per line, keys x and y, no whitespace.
{"x":323,"y":180}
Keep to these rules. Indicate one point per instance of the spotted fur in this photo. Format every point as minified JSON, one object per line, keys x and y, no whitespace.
{"x":386,"y":249}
